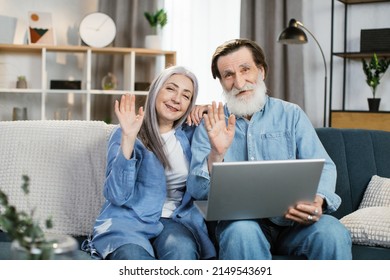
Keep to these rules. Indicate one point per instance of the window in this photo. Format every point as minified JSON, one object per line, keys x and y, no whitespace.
{"x":195,"y":28}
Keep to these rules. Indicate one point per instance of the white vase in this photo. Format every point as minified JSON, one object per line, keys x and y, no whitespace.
{"x":153,"y":42}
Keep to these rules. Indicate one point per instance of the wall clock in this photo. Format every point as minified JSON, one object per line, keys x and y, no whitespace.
{"x":97,"y":30}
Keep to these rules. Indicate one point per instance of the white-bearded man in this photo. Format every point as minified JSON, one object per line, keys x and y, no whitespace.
{"x":253,"y":126}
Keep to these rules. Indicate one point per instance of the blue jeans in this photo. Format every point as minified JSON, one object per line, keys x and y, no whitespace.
{"x":175,"y":242}
{"x":326,"y":239}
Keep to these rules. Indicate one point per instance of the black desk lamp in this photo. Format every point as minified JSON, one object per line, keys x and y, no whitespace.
{"x":294,"y":34}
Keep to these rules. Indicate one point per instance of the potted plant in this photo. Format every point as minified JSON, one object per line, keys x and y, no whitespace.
{"x":21,"y":82}
{"x":374,"y":70}
{"x":156,"y":20}
{"x":27,"y":237}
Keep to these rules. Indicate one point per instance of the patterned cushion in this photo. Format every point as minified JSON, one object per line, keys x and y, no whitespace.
{"x":370,"y":224}
{"x":65,"y":161}
{"x":377,"y":193}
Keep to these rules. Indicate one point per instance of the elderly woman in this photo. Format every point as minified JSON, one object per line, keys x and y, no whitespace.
{"x":148,"y":214}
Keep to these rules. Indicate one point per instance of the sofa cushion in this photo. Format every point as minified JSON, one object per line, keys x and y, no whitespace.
{"x":369,"y":226}
{"x":377,"y":193}
{"x":65,"y":161}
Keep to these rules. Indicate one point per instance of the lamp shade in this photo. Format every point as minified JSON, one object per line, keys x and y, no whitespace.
{"x":293,"y":34}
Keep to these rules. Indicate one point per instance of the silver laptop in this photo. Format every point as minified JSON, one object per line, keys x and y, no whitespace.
{"x":259,"y":189}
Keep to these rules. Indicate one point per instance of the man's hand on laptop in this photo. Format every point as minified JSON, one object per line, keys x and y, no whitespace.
{"x":306,"y":212}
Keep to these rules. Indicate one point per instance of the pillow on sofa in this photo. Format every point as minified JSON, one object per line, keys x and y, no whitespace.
{"x":369,"y":226}
{"x":377,"y":193}
{"x":66,"y":163}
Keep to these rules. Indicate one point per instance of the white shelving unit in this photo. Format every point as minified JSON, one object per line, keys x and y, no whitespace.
{"x":87,"y":91}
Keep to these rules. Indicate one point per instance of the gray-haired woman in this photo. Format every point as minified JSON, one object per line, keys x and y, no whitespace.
{"x":148,"y":214}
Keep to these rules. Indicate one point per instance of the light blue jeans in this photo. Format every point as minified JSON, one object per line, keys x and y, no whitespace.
{"x":326,"y":239}
{"x":175,"y":242}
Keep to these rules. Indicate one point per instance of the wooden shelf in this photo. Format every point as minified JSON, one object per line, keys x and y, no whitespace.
{"x":361,"y":119}
{"x":170,"y":56}
{"x":362,"y":1}
{"x":359,"y":55}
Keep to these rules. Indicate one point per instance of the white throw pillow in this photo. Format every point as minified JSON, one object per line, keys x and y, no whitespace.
{"x":377,"y":193}
{"x":369,"y":226}
{"x":66,"y":163}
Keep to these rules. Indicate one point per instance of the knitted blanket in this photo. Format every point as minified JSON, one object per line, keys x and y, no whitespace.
{"x":65,"y":161}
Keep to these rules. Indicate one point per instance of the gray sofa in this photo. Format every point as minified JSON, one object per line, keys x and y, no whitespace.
{"x":65,"y":161}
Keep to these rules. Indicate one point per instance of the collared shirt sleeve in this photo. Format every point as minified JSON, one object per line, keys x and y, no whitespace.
{"x":310,"y":146}
{"x":120,"y":172}
{"x":198,"y":182}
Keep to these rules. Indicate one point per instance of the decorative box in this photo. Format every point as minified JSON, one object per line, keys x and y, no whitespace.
{"x":375,"y":40}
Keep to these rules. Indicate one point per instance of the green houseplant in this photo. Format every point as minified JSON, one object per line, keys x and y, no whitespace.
{"x":374,"y":70}
{"x":23,"y":229}
{"x":156,"y":20}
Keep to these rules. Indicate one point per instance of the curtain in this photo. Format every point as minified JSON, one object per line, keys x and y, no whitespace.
{"x":263,"y":21}
{"x":132,"y":27}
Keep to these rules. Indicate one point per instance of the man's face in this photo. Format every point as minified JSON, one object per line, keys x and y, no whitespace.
{"x":238,"y":69}
{"x":242,"y":81}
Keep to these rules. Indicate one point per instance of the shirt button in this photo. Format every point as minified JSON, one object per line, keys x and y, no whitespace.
{"x":252,"y":158}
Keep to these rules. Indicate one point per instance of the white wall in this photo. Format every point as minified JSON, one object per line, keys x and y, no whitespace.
{"x":316,"y":18}
{"x":66,"y":15}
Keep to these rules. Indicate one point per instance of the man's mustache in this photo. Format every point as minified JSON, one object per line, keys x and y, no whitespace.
{"x":246,"y":87}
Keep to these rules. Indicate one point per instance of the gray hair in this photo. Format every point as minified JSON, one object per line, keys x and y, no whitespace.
{"x":149,"y":132}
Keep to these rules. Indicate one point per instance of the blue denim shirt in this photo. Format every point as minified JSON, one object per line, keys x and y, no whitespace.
{"x":280,"y":131}
{"x":135,"y":191}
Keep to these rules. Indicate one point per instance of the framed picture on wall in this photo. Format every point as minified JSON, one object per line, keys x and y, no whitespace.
{"x":40,"y":28}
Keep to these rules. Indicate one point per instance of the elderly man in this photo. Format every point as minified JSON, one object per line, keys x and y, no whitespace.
{"x":253,"y":126}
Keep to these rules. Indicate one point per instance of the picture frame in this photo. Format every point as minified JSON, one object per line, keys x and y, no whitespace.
{"x":40,"y":28}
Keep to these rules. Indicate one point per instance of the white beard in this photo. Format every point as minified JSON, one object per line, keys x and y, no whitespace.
{"x":246,"y":106}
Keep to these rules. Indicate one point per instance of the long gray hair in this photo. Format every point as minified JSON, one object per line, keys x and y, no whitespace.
{"x":149,"y":133}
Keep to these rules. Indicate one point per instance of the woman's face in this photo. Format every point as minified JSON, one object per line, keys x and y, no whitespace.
{"x":173,"y":100}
